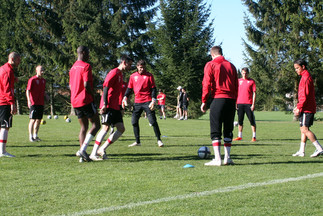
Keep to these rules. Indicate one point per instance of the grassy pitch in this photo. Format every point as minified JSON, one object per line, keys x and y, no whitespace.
{"x":46,"y":178}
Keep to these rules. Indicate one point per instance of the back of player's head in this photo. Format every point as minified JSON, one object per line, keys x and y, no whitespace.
{"x":126,"y":59}
{"x":13,"y":55}
{"x":301,"y":62}
{"x":82,"y":49}
{"x":141,"y":62}
{"x":245,"y":69}
{"x":216,"y":50}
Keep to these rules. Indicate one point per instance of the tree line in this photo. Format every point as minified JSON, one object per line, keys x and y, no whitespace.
{"x":173,"y":37}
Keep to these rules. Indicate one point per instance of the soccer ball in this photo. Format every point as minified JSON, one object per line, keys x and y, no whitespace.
{"x":49,"y":117}
{"x":68,"y":120}
{"x":203,"y":152}
{"x":56,"y":117}
{"x":43,"y":122}
{"x":65,"y":117}
{"x":235,"y":124}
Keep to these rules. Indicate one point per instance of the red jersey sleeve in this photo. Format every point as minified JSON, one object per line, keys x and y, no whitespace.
{"x":207,"y":82}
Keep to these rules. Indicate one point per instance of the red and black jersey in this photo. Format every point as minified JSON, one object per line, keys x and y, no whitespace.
{"x":142,"y":85}
{"x":220,"y":79}
{"x":113,"y":81}
{"x":7,"y":85}
{"x":36,"y":86}
{"x":80,"y":72}
{"x":306,"y":93}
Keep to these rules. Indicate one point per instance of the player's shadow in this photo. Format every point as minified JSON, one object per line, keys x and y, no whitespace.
{"x":280,"y":162}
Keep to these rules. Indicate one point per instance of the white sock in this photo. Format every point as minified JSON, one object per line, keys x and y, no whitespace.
{"x":95,"y":149}
{"x":3,"y":140}
{"x":35,"y":135}
{"x":112,"y":138}
{"x":100,"y":136}
{"x":253,"y":134}
{"x":317,"y":145}
{"x":302,"y":147}
{"x":86,"y":142}
{"x":227,"y":149}
{"x":240,"y":134}
{"x":217,"y":147}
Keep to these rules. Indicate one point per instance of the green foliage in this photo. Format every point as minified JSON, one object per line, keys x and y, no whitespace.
{"x":281,"y":32}
{"x":182,"y":39}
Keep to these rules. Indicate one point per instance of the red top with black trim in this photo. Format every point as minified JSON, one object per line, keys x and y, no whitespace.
{"x":80,"y":72}
{"x":220,"y":80}
{"x":7,"y":85}
{"x":36,"y":86}
{"x":306,"y":93}
{"x":142,"y":85}
{"x":113,"y":81}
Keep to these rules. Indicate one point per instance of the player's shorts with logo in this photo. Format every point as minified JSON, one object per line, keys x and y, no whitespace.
{"x":36,"y":112}
{"x":5,"y":116}
{"x":111,"y":117}
{"x":88,"y":111}
{"x":306,"y":119}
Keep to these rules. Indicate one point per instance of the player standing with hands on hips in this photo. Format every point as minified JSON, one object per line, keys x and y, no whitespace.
{"x":305,"y":109}
{"x":82,"y":99}
{"x":221,"y":82}
{"x":142,"y":83}
{"x":246,"y":103}
{"x":35,"y":94}
{"x":7,"y":100}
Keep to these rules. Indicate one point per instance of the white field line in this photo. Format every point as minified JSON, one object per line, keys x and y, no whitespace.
{"x":196,"y":194}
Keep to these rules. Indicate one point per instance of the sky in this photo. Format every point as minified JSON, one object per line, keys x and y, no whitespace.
{"x":229,"y":30}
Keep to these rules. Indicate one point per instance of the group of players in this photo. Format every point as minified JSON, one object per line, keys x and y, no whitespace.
{"x":219,"y":82}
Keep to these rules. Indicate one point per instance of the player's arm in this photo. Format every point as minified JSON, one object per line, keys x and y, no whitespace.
{"x":253,"y":101}
{"x":125,"y":98}
{"x":28,"y":98}
{"x":88,"y":88}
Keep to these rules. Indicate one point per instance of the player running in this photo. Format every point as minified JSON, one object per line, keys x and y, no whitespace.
{"x":142,"y":83}
{"x":110,"y":108}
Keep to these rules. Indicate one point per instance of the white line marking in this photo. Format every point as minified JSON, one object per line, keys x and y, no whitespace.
{"x":197,"y":194}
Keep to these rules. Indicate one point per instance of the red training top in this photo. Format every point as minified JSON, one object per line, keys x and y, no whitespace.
{"x":7,"y":85}
{"x":306,"y":94}
{"x":36,"y":86}
{"x":246,"y":89}
{"x":142,"y":85}
{"x":161,"y":97}
{"x":113,"y":81}
{"x":220,"y":79}
{"x":123,"y":90}
{"x":80,"y":72}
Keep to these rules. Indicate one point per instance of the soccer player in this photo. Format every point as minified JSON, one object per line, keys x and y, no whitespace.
{"x":306,"y":108}
{"x":178,"y":106}
{"x":221,"y":81}
{"x":142,"y":83}
{"x":110,"y":108}
{"x":161,"y":97}
{"x":7,"y":100}
{"x":82,"y":99}
{"x":246,"y":103}
{"x":35,"y":93}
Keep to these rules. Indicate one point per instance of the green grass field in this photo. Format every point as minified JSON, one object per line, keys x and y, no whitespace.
{"x":46,"y":178}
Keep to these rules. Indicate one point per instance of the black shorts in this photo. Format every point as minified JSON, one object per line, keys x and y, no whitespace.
{"x":111,"y":117}
{"x":306,"y":119}
{"x":185,"y":106}
{"x":36,"y":112}
{"x":88,"y":110}
{"x":246,"y":109}
{"x":138,"y":108}
{"x":161,"y":106}
{"x":5,"y":116}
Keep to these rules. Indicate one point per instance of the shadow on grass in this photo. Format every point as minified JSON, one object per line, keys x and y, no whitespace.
{"x":281,"y":162}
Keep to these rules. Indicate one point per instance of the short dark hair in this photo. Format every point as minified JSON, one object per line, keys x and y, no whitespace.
{"x":217,"y":50}
{"x":301,"y":62}
{"x":245,"y":69}
{"x":126,"y":59}
{"x":141,"y":62}
{"x":81,"y":49}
